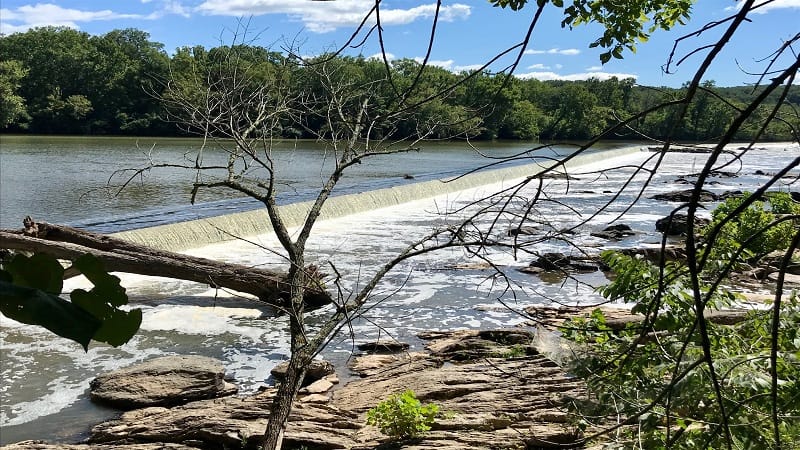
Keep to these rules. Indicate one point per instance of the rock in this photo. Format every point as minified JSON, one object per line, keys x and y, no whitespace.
{"x":41,"y":445}
{"x":368,"y":365}
{"x":165,"y":381}
{"x":383,"y":346}
{"x":788,"y":278}
{"x":314,"y":398}
{"x":230,"y":422}
{"x":317,"y":387}
{"x":685,"y":196}
{"x":490,"y":402}
{"x":523,"y":231}
{"x":317,"y":370}
{"x":676,"y":224}
{"x":614,"y":232}
{"x":471,"y":344}
{"x":653,"y":254}
{"x":563,"y":263}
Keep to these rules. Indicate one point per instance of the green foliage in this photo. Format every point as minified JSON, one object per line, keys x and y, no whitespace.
{"x":754,"y":230}
{"x":660,"y":365}
{"x":59,"y":80}
{"x":402,"y":415}
{"x":624,"y":23}
{"x":12,"y":105}
{"x":30,"y":289}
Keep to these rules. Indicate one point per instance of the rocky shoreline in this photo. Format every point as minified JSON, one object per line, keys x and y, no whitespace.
{"x":494,"y":388}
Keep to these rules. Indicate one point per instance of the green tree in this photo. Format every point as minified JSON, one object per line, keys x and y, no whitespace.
{"x":12,"y":105}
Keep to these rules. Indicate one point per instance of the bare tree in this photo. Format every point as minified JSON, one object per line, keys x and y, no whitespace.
{"x":696,"y":362}
{"x":242,"y":103}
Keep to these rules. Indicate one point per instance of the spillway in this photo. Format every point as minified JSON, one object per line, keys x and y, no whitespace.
{"x":191,"y":234}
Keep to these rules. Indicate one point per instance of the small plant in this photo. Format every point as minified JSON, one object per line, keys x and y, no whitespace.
{"x":515,"y":351}
{"x":402,"y":415}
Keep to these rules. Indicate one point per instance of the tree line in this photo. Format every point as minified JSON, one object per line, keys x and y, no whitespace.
{"x":57,"y":80}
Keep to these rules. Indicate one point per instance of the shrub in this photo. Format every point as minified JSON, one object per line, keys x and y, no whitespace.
{"x":402,"y":415}
{"x":754,"y":230}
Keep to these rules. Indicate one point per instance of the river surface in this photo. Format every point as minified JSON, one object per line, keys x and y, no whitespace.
{"x":45,"y":378}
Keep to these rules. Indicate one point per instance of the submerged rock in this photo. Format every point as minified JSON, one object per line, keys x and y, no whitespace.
{"x":165,"y":381}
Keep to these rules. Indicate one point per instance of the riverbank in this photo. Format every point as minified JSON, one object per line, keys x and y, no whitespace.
{"x":494,"y":390}
{"x":442,"y":292}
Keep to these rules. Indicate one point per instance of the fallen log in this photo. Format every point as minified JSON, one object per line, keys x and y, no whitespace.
{"x":120,"y":256}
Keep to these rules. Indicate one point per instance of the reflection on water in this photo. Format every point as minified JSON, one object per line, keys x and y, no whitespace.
{"x":76,"y":180}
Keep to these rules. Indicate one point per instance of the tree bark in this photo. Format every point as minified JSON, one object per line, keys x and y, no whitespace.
{"x":121,"y":256}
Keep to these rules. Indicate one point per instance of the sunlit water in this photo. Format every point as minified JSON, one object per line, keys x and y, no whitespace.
{"x":44,"y":394}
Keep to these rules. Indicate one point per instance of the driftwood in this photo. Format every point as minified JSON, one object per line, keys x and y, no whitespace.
{"x":120,"y":256}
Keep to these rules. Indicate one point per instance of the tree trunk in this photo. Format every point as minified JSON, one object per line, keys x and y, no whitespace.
{"x":298,"y":362}
{"x":282,"y":404}
{"x":121,"y":256}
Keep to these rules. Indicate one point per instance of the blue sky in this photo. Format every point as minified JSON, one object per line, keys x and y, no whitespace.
{"x":469,"y":32}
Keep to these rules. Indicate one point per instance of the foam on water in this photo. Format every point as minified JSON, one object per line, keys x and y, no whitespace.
{"x":423,"y":294}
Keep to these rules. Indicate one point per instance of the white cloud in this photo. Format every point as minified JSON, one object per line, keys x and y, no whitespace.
{"x":322,"y":17}
{"x":594,"y":69}
{"x":26,"y":17}
{"x":467,"y":68}
{"x":558,"y":66}
{"x":776,"y":4}
{"x":554,"y":51}
{"x":379,"y":56}
{"x":546,"y":76}
{"x":49,"y":14}
{"x":444,"y":64}
{"x":538,"y":67}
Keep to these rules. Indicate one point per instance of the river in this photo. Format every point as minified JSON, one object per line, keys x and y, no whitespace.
{"x":44,"y":394}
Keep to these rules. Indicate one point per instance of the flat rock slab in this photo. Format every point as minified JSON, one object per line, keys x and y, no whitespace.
{"x":41,"y":445}
{"x":486,"y":401}
{"x":165,"y":381}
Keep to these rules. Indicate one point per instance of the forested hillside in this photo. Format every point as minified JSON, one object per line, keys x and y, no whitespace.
{"x":59,"y":80}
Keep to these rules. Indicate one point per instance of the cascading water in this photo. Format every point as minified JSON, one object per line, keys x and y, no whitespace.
{"x":45,"y":377}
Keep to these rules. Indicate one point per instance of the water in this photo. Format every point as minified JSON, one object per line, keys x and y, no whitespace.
{"x":77,"y":180}
{"x":45,"y":378}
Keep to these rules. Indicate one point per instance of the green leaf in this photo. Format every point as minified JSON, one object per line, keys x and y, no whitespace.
{"x":39,"y":271}
{"x":105,"y":285}
{"x":118,"y":326}
{"x":36,"y":307}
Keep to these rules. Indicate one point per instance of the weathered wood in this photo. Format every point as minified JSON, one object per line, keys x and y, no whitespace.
{"x":120,"y":256}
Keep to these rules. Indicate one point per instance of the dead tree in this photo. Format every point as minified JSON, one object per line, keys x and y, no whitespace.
{"x":121,"y":256}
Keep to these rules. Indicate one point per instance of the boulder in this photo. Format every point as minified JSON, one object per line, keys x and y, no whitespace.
{"x":562,"y":263}
{"x":383,"y":346}
{"x":614,"y":232}
{"x":685,"y":196}
{"x":317,"y":370}
{"x":676,"y":224}
{"x":165,"y":381}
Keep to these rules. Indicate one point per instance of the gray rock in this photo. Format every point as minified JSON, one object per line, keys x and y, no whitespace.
{"x":165,"y":381}
{"x":497,"y":403}
{"x":383,"y":346}
{"x":685,"y":196}
{"x":317,"y":370}
{"x":41,"y":445}
{"x":677,"y":224}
